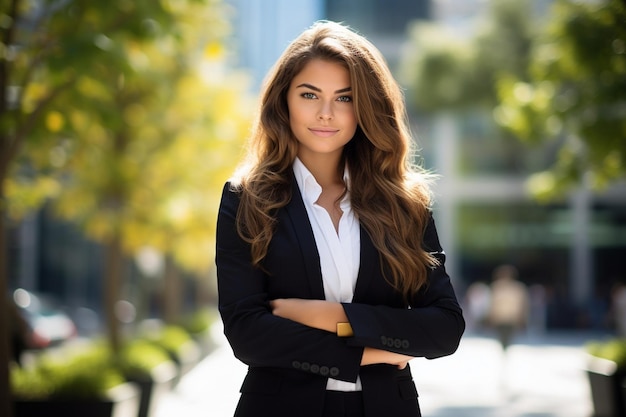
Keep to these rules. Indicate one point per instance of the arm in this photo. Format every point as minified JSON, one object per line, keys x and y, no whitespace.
{"x":257,"y":337}
{"x":319,"y":314}
{"x":325,"y":315}
{"x":431,"y":327}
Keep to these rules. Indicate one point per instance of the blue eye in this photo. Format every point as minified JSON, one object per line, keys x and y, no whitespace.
{"x":309,"y":96}
{"x":345,"y":99}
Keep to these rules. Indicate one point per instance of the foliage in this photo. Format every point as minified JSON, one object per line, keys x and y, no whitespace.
{"x":448,"y":70}
{"x":127,"y":117}
{"x":556,"y":80}
{"x":171,"y":338}
{"x":147,"y":123}
{"x":87,"y":373}
{"x":613,"y":350}
{"x":436,"y":68}
{"x":575,"y":94}
{"x":139,"y":357}
{"x":199,"y":321}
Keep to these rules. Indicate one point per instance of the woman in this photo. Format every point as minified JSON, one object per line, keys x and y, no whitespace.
{"x":330,"y":273}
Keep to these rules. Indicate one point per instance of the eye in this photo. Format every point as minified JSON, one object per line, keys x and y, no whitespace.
{"x":308,"y":96}
{"x":345,"y":99}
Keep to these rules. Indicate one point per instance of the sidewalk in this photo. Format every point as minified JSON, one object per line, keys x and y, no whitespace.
{"x":539,"y":377}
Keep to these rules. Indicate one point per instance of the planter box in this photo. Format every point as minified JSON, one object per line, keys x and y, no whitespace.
{"x":121,"y":401}
{"x":608,"y":387}
{"x":152,"y":388}
{"x":187,"y":359}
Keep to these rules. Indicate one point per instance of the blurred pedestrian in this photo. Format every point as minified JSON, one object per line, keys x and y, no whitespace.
{"x":509,"y":304}
{"x":330,"y":272}
{"x":477,"y":303}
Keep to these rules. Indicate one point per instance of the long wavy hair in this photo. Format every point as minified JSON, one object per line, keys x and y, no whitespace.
{"x":388,"y":193}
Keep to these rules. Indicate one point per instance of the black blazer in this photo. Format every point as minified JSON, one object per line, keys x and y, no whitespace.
{"x":289,"y":362}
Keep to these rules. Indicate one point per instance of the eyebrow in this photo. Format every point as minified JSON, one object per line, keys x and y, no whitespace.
{"x":319,"y":90}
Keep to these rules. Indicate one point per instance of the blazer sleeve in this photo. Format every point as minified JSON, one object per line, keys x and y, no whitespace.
{"x":431,"y":326}
{"x":257,"y":337}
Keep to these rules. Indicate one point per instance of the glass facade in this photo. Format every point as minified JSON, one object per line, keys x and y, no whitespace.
{"x":378,"y":17}
{"x":486,"y":149}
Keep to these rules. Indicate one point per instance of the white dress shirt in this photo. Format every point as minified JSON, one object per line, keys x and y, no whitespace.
{"x":339,"y":250}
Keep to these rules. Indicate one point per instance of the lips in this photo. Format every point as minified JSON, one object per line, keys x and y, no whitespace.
{"x":323,"y":131}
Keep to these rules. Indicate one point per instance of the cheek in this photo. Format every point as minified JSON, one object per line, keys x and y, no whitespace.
{"x":350,"y":118}
{"x":295,"y":113}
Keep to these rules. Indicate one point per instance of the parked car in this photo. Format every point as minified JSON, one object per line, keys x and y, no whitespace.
{"x":39,"y":321}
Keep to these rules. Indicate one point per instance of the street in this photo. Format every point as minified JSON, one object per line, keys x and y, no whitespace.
{"x":540,"y":376}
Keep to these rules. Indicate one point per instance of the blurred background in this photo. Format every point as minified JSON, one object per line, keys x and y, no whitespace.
{"x":122,"y":120}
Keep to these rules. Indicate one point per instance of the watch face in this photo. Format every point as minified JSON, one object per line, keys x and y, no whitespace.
{"x":344,"y":330}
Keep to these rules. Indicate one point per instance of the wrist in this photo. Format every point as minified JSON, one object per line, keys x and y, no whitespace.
{"x":344,"y":329}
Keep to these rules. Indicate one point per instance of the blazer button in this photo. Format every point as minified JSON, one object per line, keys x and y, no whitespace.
{"x":296,"y":364}
{"x":305,"y":366}
{"x":397,"y":343}
{"x":334,"y":371}
{"x":315,"y":368}
{"x":383,"y":340}
{"x":405,"y":344}
{"x":324,"y":371}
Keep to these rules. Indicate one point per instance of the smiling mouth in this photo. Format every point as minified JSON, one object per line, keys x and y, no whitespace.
{"x":323,"y":132}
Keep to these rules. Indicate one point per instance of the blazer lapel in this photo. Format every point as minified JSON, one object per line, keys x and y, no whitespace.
{"x":369,"y":266}
{"x":302,"y":227}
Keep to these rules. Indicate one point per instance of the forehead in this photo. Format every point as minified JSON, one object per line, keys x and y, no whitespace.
{"x":323,"y":72}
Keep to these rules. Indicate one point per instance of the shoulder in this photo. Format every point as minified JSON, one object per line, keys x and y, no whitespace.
{"x":231,"y":196}
{"x":431,"y":237}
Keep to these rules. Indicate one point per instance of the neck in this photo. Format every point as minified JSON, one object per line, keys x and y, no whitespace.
{"x":327,"y":171}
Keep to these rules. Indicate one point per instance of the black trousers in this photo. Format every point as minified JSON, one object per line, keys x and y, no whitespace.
{"x":343,"y":404}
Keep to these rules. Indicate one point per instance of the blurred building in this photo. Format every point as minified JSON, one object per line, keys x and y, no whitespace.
{"x":263,"y":28}
{"x":575,"y":249}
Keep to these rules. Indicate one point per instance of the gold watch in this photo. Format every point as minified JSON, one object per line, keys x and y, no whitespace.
{"x":344,"y":330}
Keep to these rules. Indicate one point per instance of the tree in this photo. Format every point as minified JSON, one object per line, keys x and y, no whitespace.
{"x":447,"y":70}
{"x":555,"y":79}
{"x":575,"y":95}
{"x":97,"y":103}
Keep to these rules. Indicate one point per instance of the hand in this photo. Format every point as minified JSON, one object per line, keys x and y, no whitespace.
{"x":374,"y":356}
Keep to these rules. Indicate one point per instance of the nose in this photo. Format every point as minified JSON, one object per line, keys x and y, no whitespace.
{"x":325,"y":111}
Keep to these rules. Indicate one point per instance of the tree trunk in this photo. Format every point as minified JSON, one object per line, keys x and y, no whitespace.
{"x":112,"y":279}
{"x":6,"y":408}
{"x":172,"y":292}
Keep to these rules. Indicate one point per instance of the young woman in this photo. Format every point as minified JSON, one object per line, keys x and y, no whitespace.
{"x":330,"y":272}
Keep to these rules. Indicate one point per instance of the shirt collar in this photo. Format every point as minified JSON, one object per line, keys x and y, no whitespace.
{"x":309,"y":188}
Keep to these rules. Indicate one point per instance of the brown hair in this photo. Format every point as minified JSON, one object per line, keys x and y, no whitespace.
{"x":389,"y":196}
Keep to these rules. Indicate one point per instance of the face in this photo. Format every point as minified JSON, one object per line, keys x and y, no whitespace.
{"x":321,"y":111}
